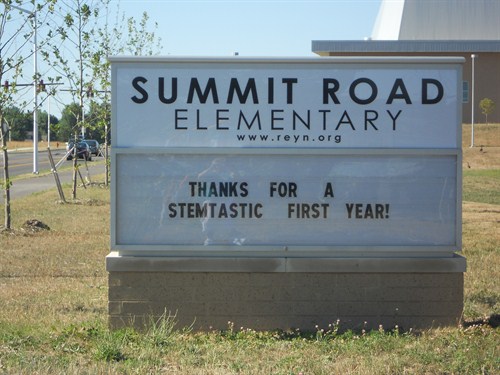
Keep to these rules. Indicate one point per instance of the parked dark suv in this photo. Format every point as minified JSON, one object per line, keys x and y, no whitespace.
{"x":82,"y":151}
{"x":94,"y":146}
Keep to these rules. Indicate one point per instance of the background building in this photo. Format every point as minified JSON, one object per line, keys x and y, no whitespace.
{"x":467,"y":28}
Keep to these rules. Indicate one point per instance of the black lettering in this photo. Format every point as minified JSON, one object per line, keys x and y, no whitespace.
{"x":173,"y":211}
{"x":192,"y":185}
{"x":249,"y":126}
{"x":257,"y":210}
{"x":219,"y":118}
{"x":211,"y":88}
{"x":218,"y":189}
{"x":394,"y":118}
{"x":233,"y":208}
{"x":347,"y":120}
{"x":371,"y":98}
{"x":359,"y":210}
{"x":283,"y":189}
{"x":244,"y":189}
{"x":233,"y":191}
{"x":212,"y":190}
{"x":329,"y":91}
{"x":308,"y":210}
{"x":270,"y":91}
{"x":289,"y":89}
{"x":161,"y":91}
{"x":275,"y":118}
{"x":324,"y":112}
{"x":368,"y":212}
{"x":177,"y":118}
{"x":222,"y":211}
{"x":399,"y":85}
{"x":425,"y":91}
{"x":234,"y":86}
{"x":141,"y":90}
{"x":198,"y":126}
{"x":307,"y":123}
{"x":349,"y":207}
{"x":369,"y":120}
{"x":201,"y":210}
{"x":328,"y":190}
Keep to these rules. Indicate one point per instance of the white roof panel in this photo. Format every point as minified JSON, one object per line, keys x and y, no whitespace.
{"x":438,"y":20}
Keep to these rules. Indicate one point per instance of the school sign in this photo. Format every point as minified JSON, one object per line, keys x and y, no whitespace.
{"x":285,"y":166}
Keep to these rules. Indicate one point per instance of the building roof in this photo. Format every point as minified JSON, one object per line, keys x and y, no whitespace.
{"x":434,"y":26}
{"x":438,"y":20}
{"x":324,"y":47}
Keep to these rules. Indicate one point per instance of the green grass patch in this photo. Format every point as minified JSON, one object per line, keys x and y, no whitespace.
{"x":482,"y":186}
{"x":91,"y":348}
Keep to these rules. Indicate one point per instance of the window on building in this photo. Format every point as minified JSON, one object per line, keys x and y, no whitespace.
{"x":465,"y":91}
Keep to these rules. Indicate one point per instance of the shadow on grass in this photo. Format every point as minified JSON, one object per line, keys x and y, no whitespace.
{"x":492,"y":321}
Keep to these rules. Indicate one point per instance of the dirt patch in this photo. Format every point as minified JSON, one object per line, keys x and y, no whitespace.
{"x":34,"y":226}
{"x":87,"y":202}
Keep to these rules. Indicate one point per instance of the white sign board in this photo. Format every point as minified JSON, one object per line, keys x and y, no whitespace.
{"x":302,"y":157}
{"x":315,"y":103}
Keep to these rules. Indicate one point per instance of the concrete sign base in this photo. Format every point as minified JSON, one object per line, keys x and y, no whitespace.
{"x":273,"y":293}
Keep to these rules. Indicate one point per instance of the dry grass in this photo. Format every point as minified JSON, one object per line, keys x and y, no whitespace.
{"x":42,"y":145}
{"x":56,"y":275}
{"x":486,"y":151}
{"x":481,"y":247}
{"x":53,"y":293}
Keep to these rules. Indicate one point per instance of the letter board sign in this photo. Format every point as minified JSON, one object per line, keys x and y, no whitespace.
{"x":312,"y":157}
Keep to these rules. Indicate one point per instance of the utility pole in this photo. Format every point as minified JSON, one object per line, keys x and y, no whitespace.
{"x":473,"y":57}
{"x":35,"y":88}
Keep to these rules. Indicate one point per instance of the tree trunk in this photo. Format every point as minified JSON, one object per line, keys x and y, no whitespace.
{"x":6,"y":180}
{"x":75,"y":173}
{"x":75,"y":166}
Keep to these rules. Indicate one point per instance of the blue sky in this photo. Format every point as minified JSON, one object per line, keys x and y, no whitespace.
{"x":249,"y":27}
{"x":253,"y":27}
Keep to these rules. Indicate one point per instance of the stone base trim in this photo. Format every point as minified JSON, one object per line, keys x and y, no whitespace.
{"x":118,"y":263}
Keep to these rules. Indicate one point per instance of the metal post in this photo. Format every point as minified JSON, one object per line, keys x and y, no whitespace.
{"x":48,"y":120}
{"x":35,"y":100}
{"x":473,"y":56}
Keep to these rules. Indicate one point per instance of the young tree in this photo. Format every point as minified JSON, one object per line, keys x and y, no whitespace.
{"x":72,"y":50}
{"x":487,"y":107}
{"x":18,"y":26}
{"x":18,"y":122}
{"x":68,"y":123}
{"x":126,"y":36}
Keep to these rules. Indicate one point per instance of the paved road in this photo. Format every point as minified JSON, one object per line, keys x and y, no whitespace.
{"x":21,"y":162}
{"x":32,"y":184}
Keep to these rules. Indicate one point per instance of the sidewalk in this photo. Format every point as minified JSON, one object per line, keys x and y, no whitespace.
{"x":24,"y":149}
{"x":34,"y":184}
